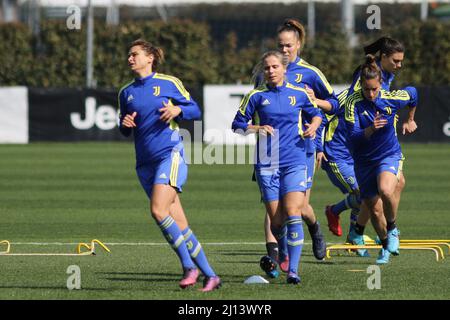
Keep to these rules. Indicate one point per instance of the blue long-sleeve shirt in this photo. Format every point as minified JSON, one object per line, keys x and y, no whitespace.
{"x":360,"y":114}
{"x":335,"y":137}
{"x":335,"y":141}
{"x":301,"y":71}
{"x":281,"y":108}
{"x":153,"y":138}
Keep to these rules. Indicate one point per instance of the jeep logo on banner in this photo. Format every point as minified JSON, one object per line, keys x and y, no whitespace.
{"x":66,"y":114}
{"x":103,"y":117}
{"x":73,"y":115}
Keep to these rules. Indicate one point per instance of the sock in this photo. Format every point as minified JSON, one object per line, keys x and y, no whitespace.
{"x":295,"y":241}
{"x":272,"y":250}
{"x":339,"y":207}
{"x":354,"y":201}
{"x":359,"y":229}
{"x":280,"y":235}
{"x":197,"y":254}
{"x":384,"y":243}
{"x":353,"y":217}
{"x":351,"y":201}
{"x":391,"y":225}
{"x":314,"y":228}
{"x":174,"y":237}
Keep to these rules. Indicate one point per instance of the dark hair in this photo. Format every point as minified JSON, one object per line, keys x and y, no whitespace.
{"x":384,"y":45}
{"x":370,"y":69}
{"x":294,"y":26}
{"x":158,"y":53}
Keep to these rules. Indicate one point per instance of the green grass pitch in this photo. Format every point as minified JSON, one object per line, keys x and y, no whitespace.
{"x":53,"y":196}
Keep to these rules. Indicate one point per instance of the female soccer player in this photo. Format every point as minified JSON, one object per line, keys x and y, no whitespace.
{"x":291,"y":38}
{"x":150,"y":107}
{"x":338,"y":162}
{"x":281,"y":155}
{"x":370,"y":115}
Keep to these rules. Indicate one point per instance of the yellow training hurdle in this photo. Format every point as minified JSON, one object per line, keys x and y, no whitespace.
{"x":431,"y":245}
{"x":91,"y":247}
{"x":90,"y":252}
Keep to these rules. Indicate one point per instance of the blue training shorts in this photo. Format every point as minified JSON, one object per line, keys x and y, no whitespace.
{"x":342,"y":175}
{"x":367,"y":175}
{"x":274,"y":184}
{"x":171,"y":171}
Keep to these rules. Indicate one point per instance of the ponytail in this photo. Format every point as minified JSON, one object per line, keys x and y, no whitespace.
{"x":296,"y":27}
{"x":384,"y":45}
{"x":158,"y":55}
{"x":370,"y":69}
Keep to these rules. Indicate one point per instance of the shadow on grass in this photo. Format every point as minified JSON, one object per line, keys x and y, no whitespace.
{"x":241,"y":253}
{"x":141,"y":276}
{"x":338,"y":262}
{"x":161,"y":277}
{"x":240,"y":262}
{"x":142,"y":279}
{"x":51,"y":288}
{"x":318,"y":262}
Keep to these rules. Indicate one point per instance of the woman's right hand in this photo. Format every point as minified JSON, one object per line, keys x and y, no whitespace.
{"x":320,"y":156}
{"x":128,"y":120}
{"x":379,"y":122}
{"x":265,"y":129}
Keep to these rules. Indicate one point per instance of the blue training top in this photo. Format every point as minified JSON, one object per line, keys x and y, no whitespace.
{"x":280,"y":107}
{"x":360,"y":114}
{"x":300,"y":71}
{"x":335,"y":142}
{"x":153,"y":138}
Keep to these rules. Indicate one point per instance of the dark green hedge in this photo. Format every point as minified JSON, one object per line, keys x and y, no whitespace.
{"x":427,"y":51}
{"x":57,"y":57}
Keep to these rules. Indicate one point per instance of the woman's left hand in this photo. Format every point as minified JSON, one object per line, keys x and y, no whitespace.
{"x":310,"y":131}
{"x":169,"y":112}
{"x":409,"y":127}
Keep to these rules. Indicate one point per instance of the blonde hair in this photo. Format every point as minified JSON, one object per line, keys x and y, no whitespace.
{"x":258,"y":70}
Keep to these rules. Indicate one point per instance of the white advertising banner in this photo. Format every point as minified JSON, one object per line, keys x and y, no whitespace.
{"x":14,"y":115}
{"x":221,"y":102}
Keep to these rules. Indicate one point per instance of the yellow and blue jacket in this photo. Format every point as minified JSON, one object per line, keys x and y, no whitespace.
{"x":282,"y":108}
{"x":360,"y":114}
{"x":154,"y":139}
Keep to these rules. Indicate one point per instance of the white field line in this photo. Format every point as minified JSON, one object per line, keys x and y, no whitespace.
{"x":140,"y":243}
